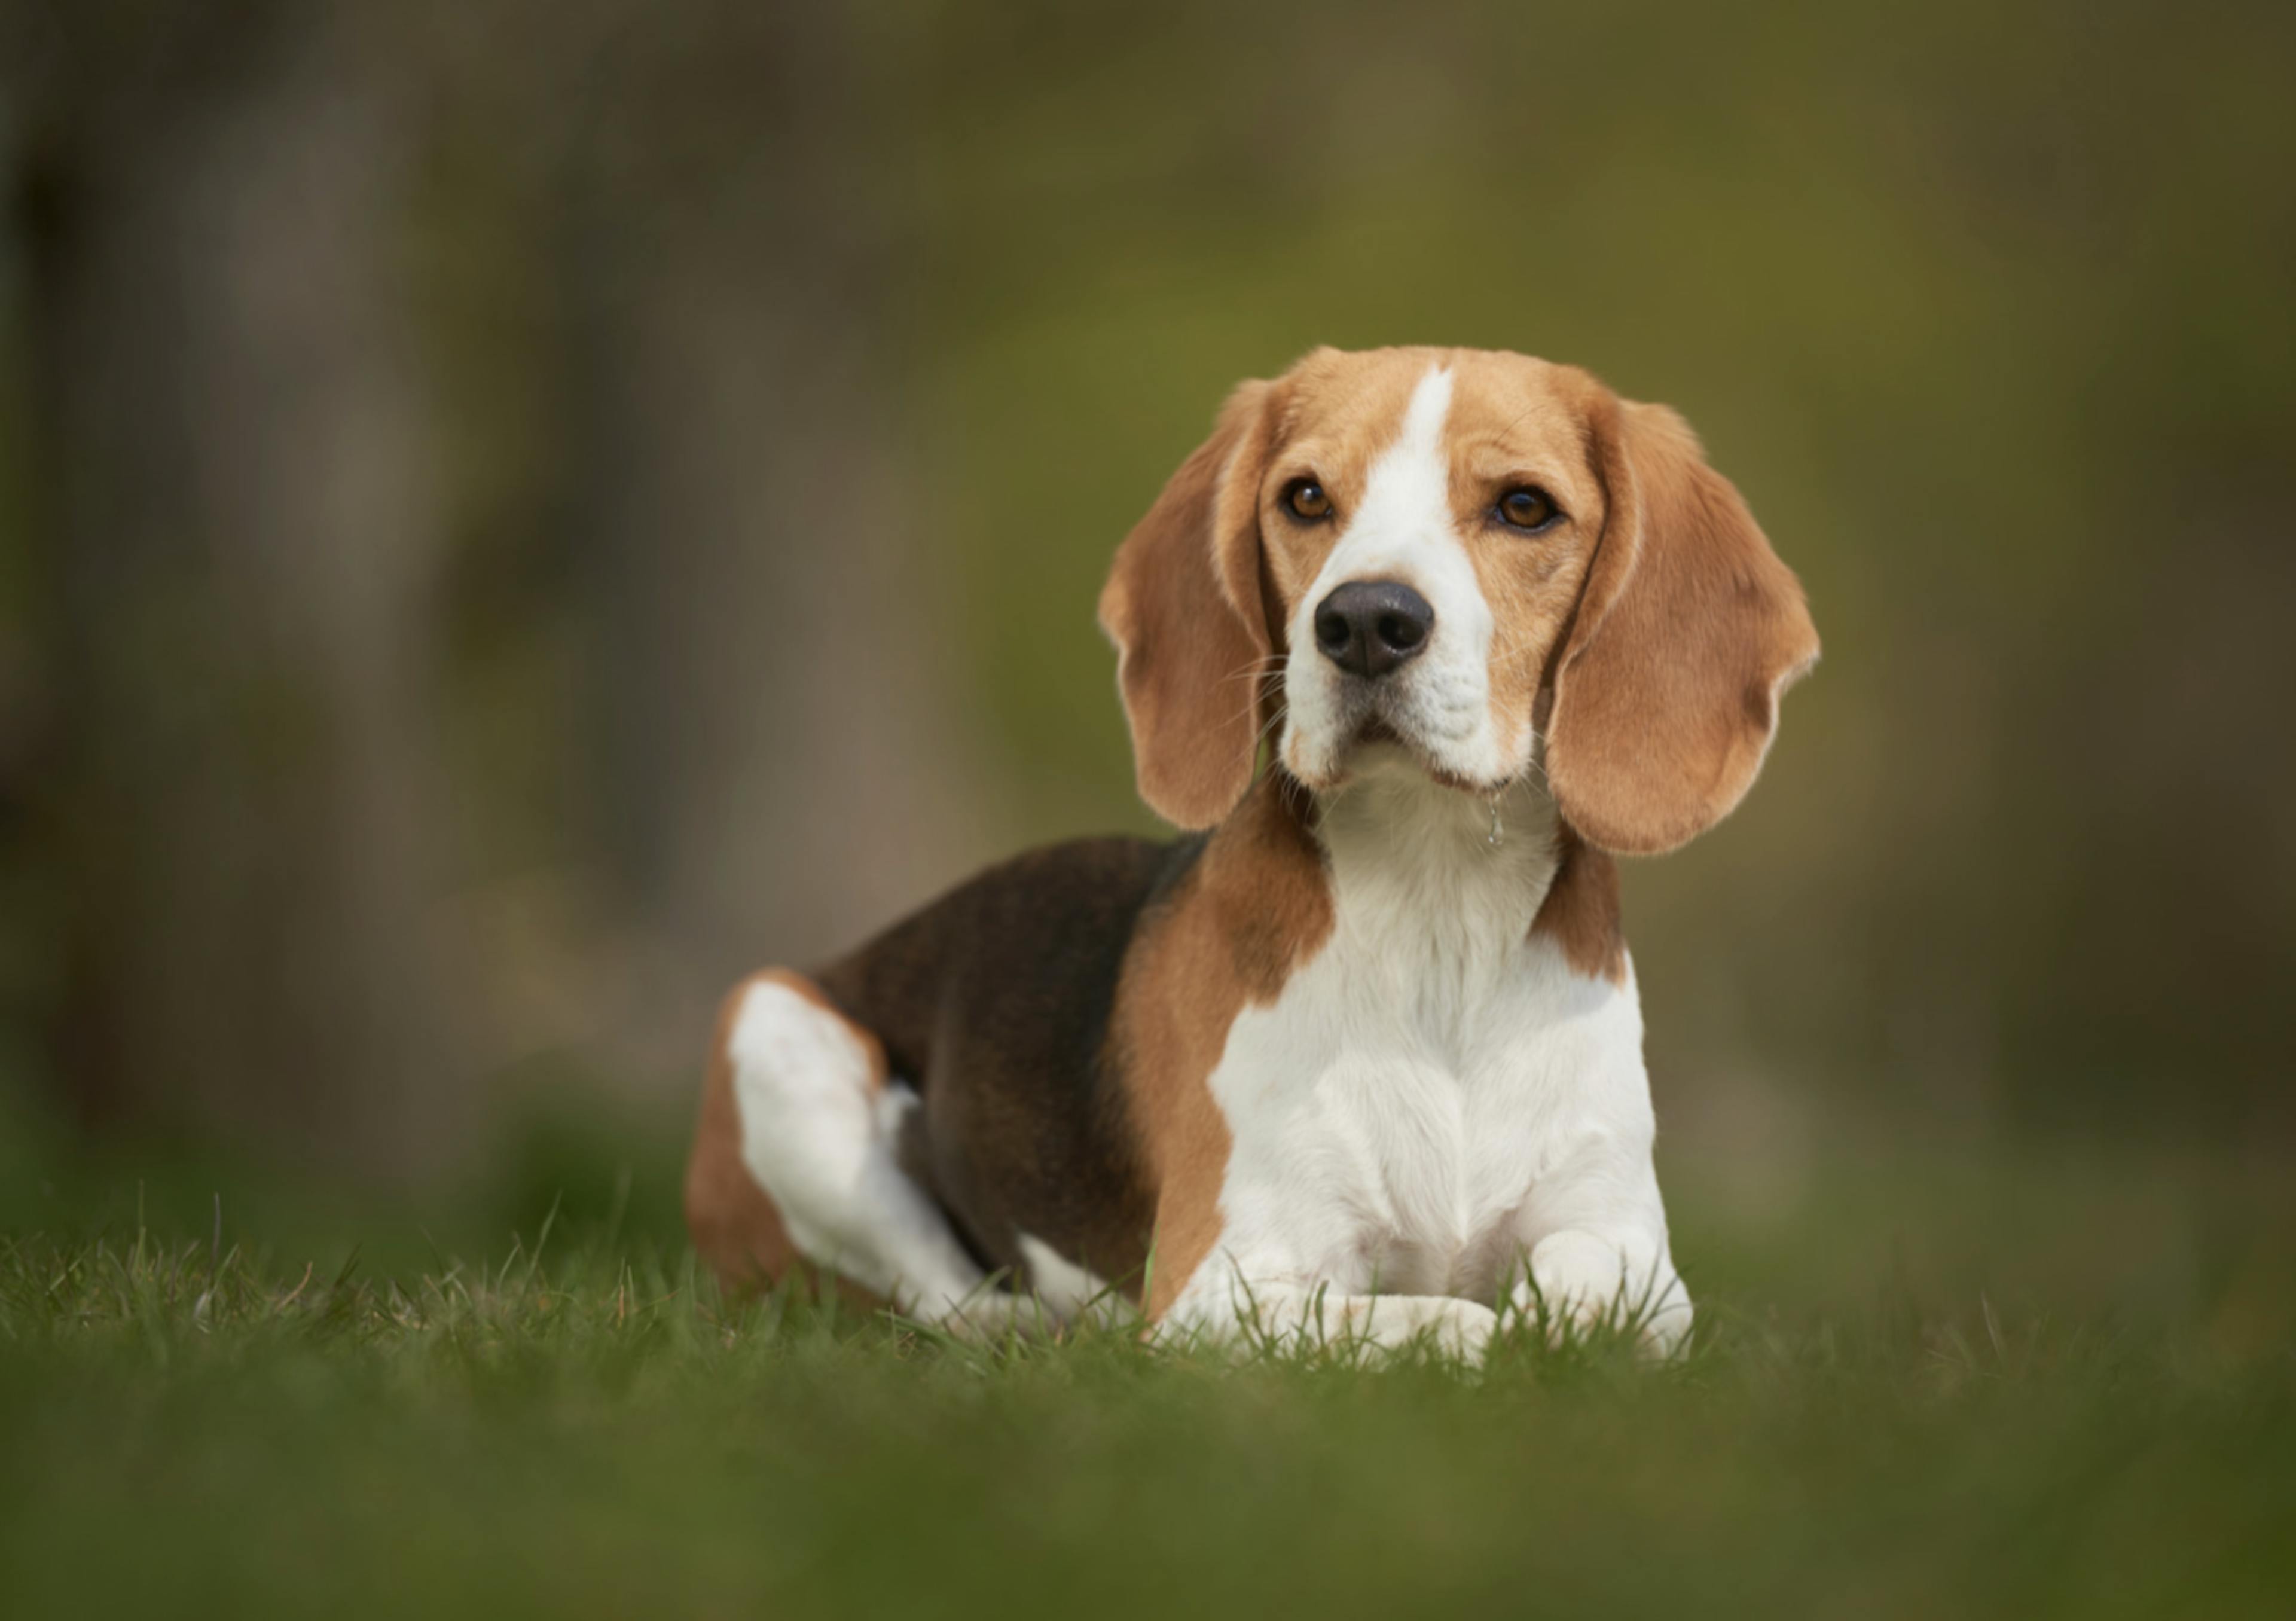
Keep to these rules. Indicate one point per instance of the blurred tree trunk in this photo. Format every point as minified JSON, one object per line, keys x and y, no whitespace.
{"x":238,"y":484}
{"x":248,"y":540}
{"x":779,"y":773}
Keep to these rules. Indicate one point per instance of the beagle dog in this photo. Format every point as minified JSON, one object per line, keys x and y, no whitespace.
{"x":1362,"y":1053}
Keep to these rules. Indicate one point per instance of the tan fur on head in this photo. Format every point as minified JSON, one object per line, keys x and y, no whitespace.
{"x":1689,"y":627}
{"x":1195,"y":650}
{"x":1645,"y":634}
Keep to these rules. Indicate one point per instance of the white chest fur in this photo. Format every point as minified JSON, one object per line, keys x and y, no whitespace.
{"x":1437,"y":1090}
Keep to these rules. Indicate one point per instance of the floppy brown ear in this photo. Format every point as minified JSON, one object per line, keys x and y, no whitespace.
{"x":1183,"y":605}
{"x":1689,"y":628}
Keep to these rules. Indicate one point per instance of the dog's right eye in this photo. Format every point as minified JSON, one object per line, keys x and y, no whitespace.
{"x":1304,"y":500}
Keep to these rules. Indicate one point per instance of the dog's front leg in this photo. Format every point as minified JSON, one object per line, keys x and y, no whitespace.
{"x":1593,"y":1247}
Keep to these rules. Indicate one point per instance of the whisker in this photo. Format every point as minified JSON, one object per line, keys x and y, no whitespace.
{"x":1258,"y":667}
{"x":1276,"y":662}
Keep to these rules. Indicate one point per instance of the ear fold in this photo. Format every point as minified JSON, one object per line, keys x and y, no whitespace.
{"x":1689,"y":628}
{"x":1183,"y":604}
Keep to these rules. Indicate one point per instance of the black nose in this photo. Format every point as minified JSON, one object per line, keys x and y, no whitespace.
{"x":1369,"y":626}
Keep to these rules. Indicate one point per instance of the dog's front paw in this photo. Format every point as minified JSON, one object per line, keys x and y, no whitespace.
{"x":1578,"y":1281}
{"x":1459,"y":1330}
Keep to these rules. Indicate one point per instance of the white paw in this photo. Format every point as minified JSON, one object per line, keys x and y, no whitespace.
{"x":987,"y":1316}
{"x":1584,"y":1282}
{"x":1460,"y":1329}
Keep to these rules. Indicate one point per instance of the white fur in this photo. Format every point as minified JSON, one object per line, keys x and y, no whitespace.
{"x":1405,"y":530}
{"x":819,"y":1137}
{"x":1070,"y":1292}
{"x":1436,"y":1103}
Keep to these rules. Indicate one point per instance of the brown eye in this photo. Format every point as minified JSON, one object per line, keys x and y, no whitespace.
{"x":1304,"y":499}
{"x":1527,"y":508}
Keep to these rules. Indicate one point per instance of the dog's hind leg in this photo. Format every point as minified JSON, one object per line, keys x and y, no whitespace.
{"x":797,"y":1163}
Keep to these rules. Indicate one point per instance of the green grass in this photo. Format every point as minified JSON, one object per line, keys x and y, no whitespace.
{"x":580,"y":1428}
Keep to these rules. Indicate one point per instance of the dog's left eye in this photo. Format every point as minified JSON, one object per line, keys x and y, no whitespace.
{"x":1305,"y":499}
{"x":1527,"y":507}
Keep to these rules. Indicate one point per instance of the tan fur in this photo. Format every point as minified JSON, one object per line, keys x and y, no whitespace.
{"x":1339,"y":413}
{"x":1656,"y":613}
{"x":1520,"y":421}
{"x":734,"y":1226}
{"x":1255,"y":905}
{"x":1688,"y":630}
{"x":1514,"y":420}
{"x":1580,"y":913}
{"x":1193,"y":637}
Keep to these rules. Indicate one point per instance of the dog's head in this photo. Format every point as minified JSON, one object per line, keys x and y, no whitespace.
{"x":1454,"y":559}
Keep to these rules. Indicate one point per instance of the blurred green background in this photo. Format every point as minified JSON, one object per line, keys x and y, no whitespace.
{"x":512,"y":515}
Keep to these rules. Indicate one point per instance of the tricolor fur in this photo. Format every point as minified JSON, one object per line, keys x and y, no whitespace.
{"x":1363,"y":1053}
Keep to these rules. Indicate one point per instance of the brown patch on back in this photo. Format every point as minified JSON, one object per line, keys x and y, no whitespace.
{"x":734,"y":1225}
{"x":1580,"y":913}
{"x":1256,"y":904}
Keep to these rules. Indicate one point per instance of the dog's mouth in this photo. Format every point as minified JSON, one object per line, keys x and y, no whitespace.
{"x":1381,"y":744}
{"x":1375,"y":730}
{"x":1378,"y":733}
{"x":1378,"y":744}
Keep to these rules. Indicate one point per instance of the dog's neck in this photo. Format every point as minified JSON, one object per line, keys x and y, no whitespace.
{"x":1475,"y":868}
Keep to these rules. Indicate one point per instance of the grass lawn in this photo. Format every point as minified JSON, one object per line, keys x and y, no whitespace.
{"x":2057,"y":1389}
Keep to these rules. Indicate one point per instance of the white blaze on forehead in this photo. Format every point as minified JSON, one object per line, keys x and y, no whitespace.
{"x":1405,"y":530}
{"x":1407,"y":496}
